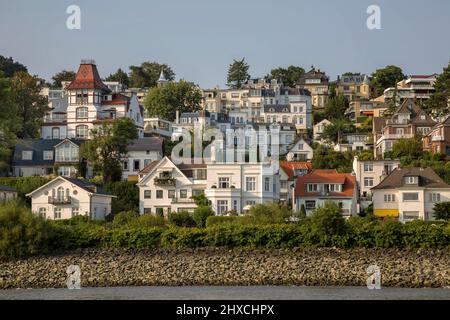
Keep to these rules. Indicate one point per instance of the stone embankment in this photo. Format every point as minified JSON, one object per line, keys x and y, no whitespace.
{"x":220,"y":266}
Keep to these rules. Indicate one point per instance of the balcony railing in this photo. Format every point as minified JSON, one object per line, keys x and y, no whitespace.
{"x":164,"y":181}
{"x":182,"y":200}
{"x":65,"y":200}
{"x":50,"y":119}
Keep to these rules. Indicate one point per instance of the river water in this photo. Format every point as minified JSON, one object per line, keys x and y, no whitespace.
{"x":228,"y":293}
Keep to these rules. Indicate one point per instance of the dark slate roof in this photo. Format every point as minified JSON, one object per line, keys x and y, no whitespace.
{"x":279,"y":108}
{"x":89,"y":187}
{"x":144,"y":144}
{"x":6,"y":188}
{"x":38,"y":146}
{"x":427,"y":178}
{"x":295,"y":91}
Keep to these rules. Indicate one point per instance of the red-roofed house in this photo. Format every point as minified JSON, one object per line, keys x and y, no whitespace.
{"x":289,"y":171}
{"x":321,"y":185}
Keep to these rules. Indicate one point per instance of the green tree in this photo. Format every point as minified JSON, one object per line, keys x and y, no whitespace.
{"x":202,"y":213}
{"x":326,"y":158}
{"x":439,"y":102}
{"x":147,"y":74}
{"x":120,"y":76}
{"x":164,"y":101}
{"x":327,"y":221}
{"x":10,"y":123}
{"x":127,"y":196}
{"x":386,"y":77}
{"x":441,"y":211}
{"x":333,"y":132}
{"x":289,"y":76}
{"x":336,"y":106}
{"x":237,"y":73}
{"x":108,"y":147}
{"x":64,"y":75}
{"x":410,"y":148}
{"x":32,"y":106}
{"x":9,"y":67}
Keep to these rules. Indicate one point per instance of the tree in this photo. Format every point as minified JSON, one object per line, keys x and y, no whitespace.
{"x":108,"y":147}
{"x":120,"y":76}
{"x":326,"y":158}
{"x":9,"y":67}
{"x":127,"y":196}
{"x":289,"y":76}
{"x":164,"y":101}
{"x":202,"y":213}
{"x":439,"y":102}
{"x":147,"y":74}
{"x":10,"y":123}
{"x":237,"y":73}
{"x":336,"y":106}
{"x":64,"y":75}
{"x":410,"y":148}
{"x":385,"y":78}
{"x":441,"y":211}
{"x":327,"y":221}
{"x":333,"y":132}
{"x":32,"y":106}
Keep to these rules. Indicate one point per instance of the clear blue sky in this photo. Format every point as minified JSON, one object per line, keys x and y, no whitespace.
{"x":199,"y":38}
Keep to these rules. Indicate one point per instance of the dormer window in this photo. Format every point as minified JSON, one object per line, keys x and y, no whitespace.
{"x":27,"y":155}
{"x":411,"y":180}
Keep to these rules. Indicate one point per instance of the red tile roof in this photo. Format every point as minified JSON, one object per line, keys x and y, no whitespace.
{"x":117,"y":99}
{"x":289,"y":167}
{"x":87,"y":77}
{"x":325,"y":176}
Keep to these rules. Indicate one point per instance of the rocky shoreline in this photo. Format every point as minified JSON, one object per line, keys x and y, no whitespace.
{"x":220,"y":266}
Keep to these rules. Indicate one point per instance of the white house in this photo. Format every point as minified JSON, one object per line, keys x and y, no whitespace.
{"x":141,"y":152}
{"x":64,"y":198}
{"x":409,"y":194}
{"x":7,"y":193}
{"x":318,"y":129}
{"x":321,"y":185}
{"x":289,"y":171}
{"x":238,"y":186}
{"x":165,"y":187}
{"x":300,"y":151}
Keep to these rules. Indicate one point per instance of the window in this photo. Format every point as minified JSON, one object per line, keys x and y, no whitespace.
{"x":48,"y":155}
{"x":125,"y":165}
{"x":388,"y":168}
{"x":250,"y":183}
{"x":43,"y":212}
{"x":224,"y":182}
{"x":146,"y":162}
{"x":312,"y":187}
{"x":368,"y":182}
{"x":266,"y":184}
{"x":251,"y":202}
{"x":82,"y":97}
{"x":389,"y":198}
{"x":55,"y":133}
{"x":60,"y":193}
{"x":147,"y":210}
{"x":183,"y":194}
{"x":27,"y":155}
{"x":200,"y":174}
{"x":64,"y":171}
{"x":82,"y":113}
{"x":435,"y":197}
{"x":300,"y":146}
{"x":368,"y":167}
{"x":410,"y":196}
{"x":147,"y":194}
{"x":222,"y":207}
{"x":171,"y":194}
{"x":411,"y":180}
{"x":159,"y":194}
{"x":75,"y":211}
{"x":410,"y":215}
{"x":57,"y":213}
{"x":81,"y":131}
{"x":136,"y":165}
{"x":197,"y":192}
{"x":283,"y":184}
{"x":310,"y":205}
{"x":160,"y":212}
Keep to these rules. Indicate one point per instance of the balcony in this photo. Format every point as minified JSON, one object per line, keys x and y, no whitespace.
{"x":182,"y":200}
{"x":165,"y":182}
{"x":437,"y":138}
{"x":56,"y":201}
{"x":55,"y":118}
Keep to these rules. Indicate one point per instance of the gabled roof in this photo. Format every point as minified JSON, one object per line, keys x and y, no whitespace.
{"x":87,"y":186}
{"x":148,"y":170}
{"x":427,"y":178}
{"x":87,"y":77}
{"x":144,"y":144}
{"x":289,"y":167}
{"x":38,"y":146}
{"x":326,"y":176}
{"x":418,"y":116}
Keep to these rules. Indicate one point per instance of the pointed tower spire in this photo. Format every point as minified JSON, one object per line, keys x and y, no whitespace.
{"x":162,"y":79}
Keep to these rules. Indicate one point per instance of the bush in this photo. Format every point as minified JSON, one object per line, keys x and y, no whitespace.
{"x":269,"y":213}
{"x":183,"y":238}
{"x":201,"y":213}
{"x":327,"y":223}
{"x":388,"y":234}
{"x":148,"y":220}
{"x":441,"y":211}
{"x":220,"y":220}
{"x":181,"y":219}
{"x":124,"y":218}
{"x":127,"y":196}
{"x":21,"y":233}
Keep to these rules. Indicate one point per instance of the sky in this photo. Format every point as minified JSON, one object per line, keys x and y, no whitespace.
{"x":200,"y":38}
